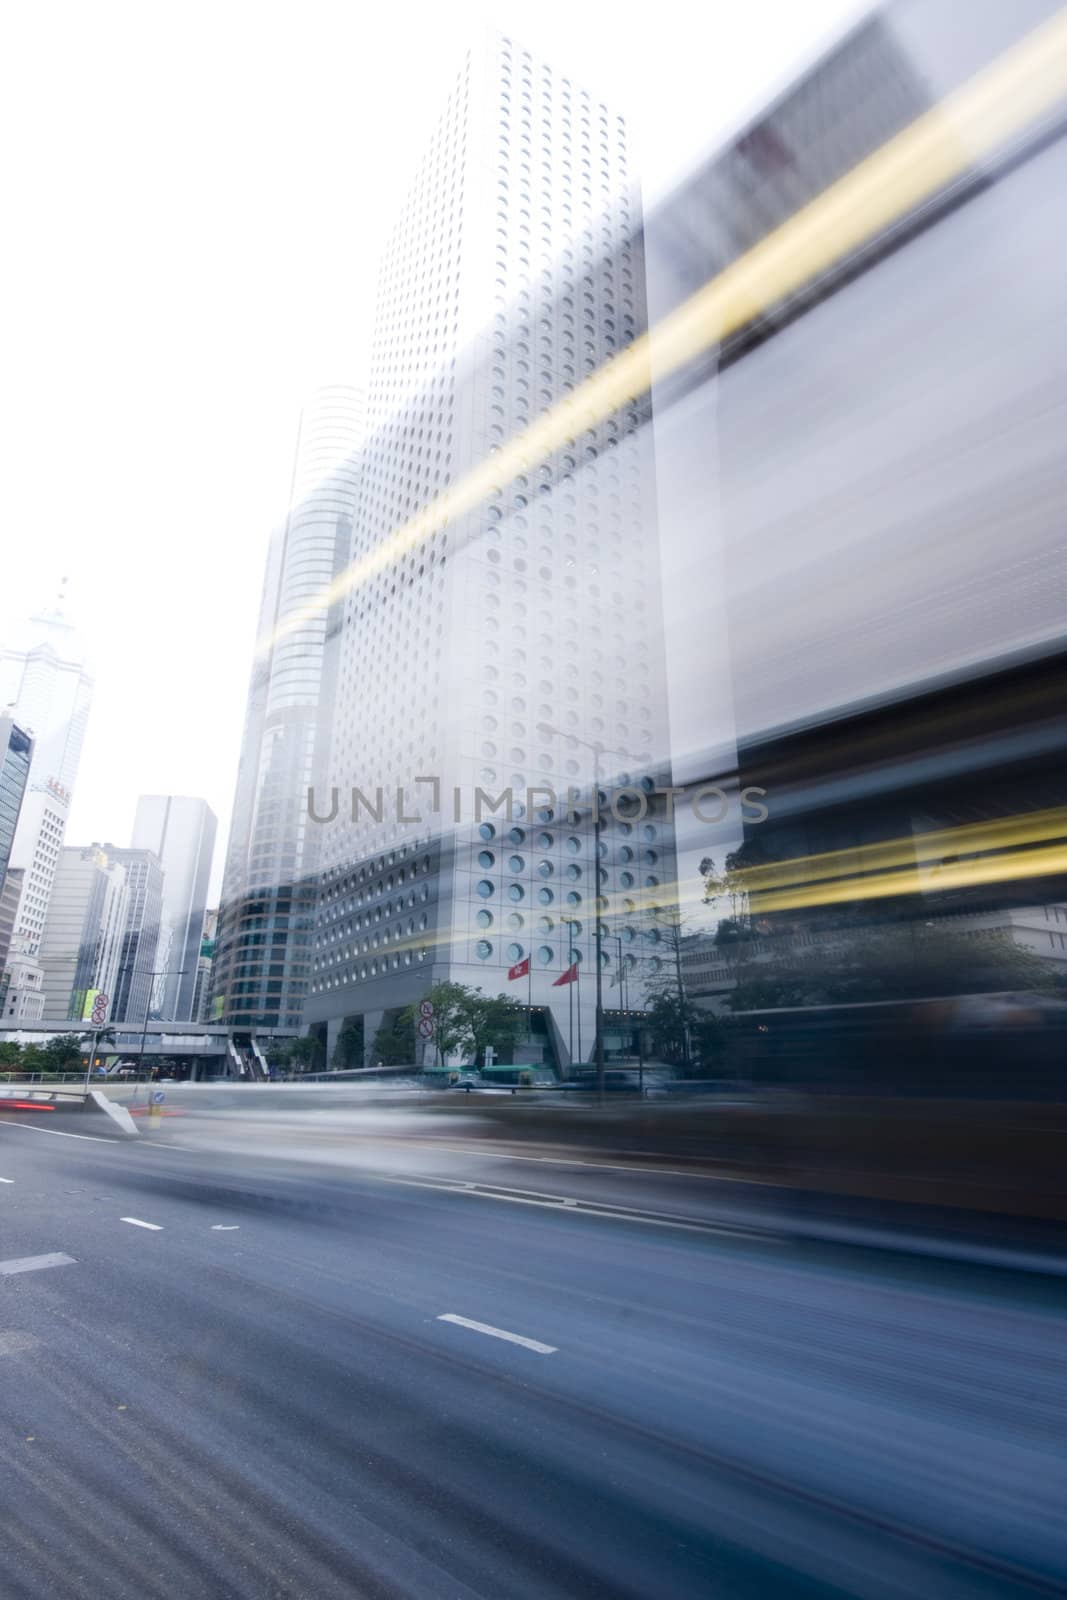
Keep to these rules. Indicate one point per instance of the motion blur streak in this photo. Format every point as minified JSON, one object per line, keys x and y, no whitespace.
{"x":1023,"y":85}
{"x":935,"y":845}
{"x":1006,"y":868}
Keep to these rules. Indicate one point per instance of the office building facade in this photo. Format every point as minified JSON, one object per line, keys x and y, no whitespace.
{"x":139,"y":963}
{"x":81,"y":946}
{"x":263,"y":952}
{"x":490,"y":647}
{"x":179,"y":830}
{"x":46,"y":684}
{"x":16,"y":754}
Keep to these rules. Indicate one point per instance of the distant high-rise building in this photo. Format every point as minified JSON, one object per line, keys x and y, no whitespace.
{"x":493,"y":640}
{"x":45,"y":682}
{"x":263,"y":961}
{"x":139,"y":963}
{"x":204,"y":968}
{"x":16,"y":750}
{"x":180,"y":832}
{"x":16,"y":753}
{"x":81,"y":946}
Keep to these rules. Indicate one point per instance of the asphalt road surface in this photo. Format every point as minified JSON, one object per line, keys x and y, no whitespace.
{"x":227,"y":1373}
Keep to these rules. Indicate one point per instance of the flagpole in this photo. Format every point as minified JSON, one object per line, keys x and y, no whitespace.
{"x":570,"y":1023}
{"x":578,"y":981}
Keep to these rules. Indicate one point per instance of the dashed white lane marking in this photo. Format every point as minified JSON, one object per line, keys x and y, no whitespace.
{"x":135,"y":1222}
{"x":499,"y":1333}
{"x":7,"y":1180}
{"x":35,"y":1263}
{"x":225,"y":1227}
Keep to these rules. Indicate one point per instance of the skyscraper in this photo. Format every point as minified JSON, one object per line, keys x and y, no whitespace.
{"x":180,"y":831}
{"x":45,"y":681}
{"x":262,"y":969}
{"x":16,"y":753}
{"x":81,"y":946}
{"x":492,"y":641}
{"x":139,"y":960}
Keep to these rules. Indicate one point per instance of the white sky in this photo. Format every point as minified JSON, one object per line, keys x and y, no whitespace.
{"x":193,"y":203}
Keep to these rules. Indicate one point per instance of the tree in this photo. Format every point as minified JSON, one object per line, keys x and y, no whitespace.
{"x":64,"y":1052}
{"x":299,"y":1055}
{"x":348,"y":1051}
{"x":496,"y":1022}
{"x":729,"y":886}
{"x":394,"y":1042}
{"x":451,"y":1018}
{"x":10,"y":1054}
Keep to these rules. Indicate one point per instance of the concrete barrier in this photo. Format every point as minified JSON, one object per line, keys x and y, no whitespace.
{"x":68,"y":1108}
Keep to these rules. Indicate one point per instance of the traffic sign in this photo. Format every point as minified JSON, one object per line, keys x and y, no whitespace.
{"x":425,"y":1008}
{"x":98,"y":1016}
{"x":158,"y":1096}
{"x":426,"y":1027}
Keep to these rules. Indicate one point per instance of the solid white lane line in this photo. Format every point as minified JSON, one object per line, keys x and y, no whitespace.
{"x":35,"y":1263}
{"x":225,"y":1227}
{"x":57,"y":1133}
{"x":7,"y":1180}
{"x":499,"y":1333}
{"x":135,"y":1222}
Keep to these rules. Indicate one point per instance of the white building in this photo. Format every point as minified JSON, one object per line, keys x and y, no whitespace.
{"x":515,"y":271}
{"x":180,"y":830}
{"x":81,"y":947}
{"x":267,"y":893}
{"x":46,"y":683}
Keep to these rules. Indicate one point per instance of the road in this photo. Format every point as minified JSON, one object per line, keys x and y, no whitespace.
{"x":237,"y":1374}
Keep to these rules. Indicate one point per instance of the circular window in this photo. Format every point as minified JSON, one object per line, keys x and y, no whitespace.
{"x":626,"y":854}
{"x":486,"y":859}
{"x":574,"y":872}
{"x":545,"y":896}
{"x":516,"y":864}
{"x":485,"y":888}
{"x":516,"y":891}
{"x":545,"y":954}
{"x":516,"y":836}
{"x":574,"y":898}
{"x":649,"y":856}
{"x":544,"y":841}
{"x":515,"y":920}
{"x":626,"y":879}
{"x":483,"y":949}
{"x":648,"y":831}
{"x":545,"y":924}
{"x":484,"y":919}
{"x":514,"y":952}
{"x":574,"y":845}
{"x":545,"y":869}
{"x":652,"y":935}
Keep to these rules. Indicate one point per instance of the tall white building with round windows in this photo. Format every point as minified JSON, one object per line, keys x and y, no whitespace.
{"x":491,"y":652}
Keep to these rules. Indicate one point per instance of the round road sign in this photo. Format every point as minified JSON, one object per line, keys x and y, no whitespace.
{"x":426,"y":1027}
{"x":425,"y":1008}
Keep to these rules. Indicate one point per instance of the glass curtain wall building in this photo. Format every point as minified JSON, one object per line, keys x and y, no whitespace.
{"x":261,"y":970}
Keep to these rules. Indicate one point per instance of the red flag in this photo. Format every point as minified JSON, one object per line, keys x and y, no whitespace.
{"x":519,"y":970}
{"x":570,"y":976}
